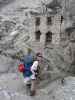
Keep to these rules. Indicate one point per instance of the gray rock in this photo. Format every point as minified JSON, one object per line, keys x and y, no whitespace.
{"x":7,"y":64}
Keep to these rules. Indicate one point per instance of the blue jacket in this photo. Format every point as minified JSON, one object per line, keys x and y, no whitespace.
{"x":28,"y":61}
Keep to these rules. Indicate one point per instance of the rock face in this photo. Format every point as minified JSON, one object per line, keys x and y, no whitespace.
{"x":13,"y":43}
{"x":4,"y":64}
{"x":7,"y":64}
{"x":14,"y":39}
{"x":5,"y":2}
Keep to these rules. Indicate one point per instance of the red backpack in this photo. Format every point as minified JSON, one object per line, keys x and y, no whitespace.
{"x":21,"y":68}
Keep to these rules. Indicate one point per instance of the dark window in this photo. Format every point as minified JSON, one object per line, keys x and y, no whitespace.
{"x":49,"y":20}
{"x":62,"y":18}
{"x":37,"y":35}
{"x":0,"y":37}
{"x":37,"y":21}
{"x":68,"y":34}
{"x":48,"y":37}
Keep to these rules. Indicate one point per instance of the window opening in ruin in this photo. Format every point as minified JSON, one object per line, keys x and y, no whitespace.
{"x":37,"y":22}
{"x":68,"y":34}
{"x":0,"y":37}
{"x":37,"y":35}
{"x":49,"y":20}
{"x":48,"y":37}
{"x":62,"y":18}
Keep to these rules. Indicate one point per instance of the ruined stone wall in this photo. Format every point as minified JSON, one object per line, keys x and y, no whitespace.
{"x":44,"y":28}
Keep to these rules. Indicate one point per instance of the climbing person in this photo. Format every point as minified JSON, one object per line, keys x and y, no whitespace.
{"x":31,"y":71}
{"x":35,"y":68}
{"x":27,"y":61}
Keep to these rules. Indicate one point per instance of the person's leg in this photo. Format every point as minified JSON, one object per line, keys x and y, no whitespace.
{"x":33,"y":87}
{"x":28,"y":88}
{"x":28,"y":84}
